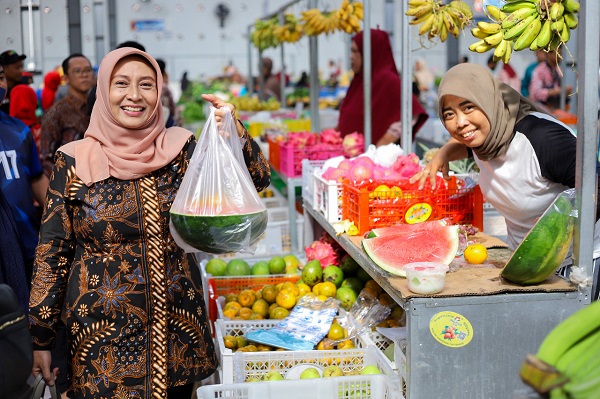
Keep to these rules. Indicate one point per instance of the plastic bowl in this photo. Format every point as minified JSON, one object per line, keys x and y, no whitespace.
{"x":426,"y":277}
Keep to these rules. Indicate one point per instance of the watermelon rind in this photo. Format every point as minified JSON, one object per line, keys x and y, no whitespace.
{"x":220,"y":234}
{"x":544,"y":248}
{"x":392,"y":252}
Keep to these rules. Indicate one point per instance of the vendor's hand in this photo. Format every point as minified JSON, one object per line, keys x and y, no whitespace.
{"x":219,"y":104}
{"x":436,"y":164}
{"x":41,"y":364}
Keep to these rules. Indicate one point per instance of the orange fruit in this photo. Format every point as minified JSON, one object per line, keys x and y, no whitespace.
{"x":386,"y":300}
{"x":269,"y":292}
{"x":245,"y":313}
{"x":346,"y":344}
{"x":303,"y":289}
{"x":336,"y":332}
{"x":246,"y":298}
{"x":230,"y":342}
{"x":232,"y":305}
{"x":230,"y":298}
{"x":475,"y":254}
{"x":286,"y":299}
{"x":272,"y":306}
{"x":325,"y":344}
{"x":279,"y":313}
{"x":316,"y":288}
{"x":261,"y":307}
{"x":372,"y":284}
{"x":327,"y":289}
{"x":230,"y":313}
{"x":255,"y":316}
{"x":288,"y":285}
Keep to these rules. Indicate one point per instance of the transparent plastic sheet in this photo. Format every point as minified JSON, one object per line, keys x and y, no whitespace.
{"x":365,"y":313}
{"x":217,"y":209}
{"x":305,"y":326}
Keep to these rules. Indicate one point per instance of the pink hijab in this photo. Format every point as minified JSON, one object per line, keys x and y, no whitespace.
{"x":109,"y":149}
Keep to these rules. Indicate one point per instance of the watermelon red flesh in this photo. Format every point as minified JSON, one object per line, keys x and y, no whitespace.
{"x":392,"y":252}
{"x":432,"y":225}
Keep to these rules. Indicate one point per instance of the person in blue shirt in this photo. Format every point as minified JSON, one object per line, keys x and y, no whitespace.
{"x":21,"y":178}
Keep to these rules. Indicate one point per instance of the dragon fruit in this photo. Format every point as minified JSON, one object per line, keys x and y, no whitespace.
{"x":322,"y":251}
{"x":354,"y":144}
{"x":331,"y":136}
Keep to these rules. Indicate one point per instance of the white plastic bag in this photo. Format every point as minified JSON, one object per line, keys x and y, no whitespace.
{"x":217,"y":209}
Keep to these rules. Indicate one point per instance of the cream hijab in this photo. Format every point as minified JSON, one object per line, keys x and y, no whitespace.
{"x":502,"y":105}
{"x":109,"y":149}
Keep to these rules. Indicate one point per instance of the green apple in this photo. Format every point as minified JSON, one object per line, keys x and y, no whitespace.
{"x":370,"y":369}
{"x":310,"y":373}
{"x":333,"y":371}
{"x":273,"y":376}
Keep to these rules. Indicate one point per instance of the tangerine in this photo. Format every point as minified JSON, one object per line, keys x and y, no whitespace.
{"x":372,"y":284}
{"x":476,"y":254}
{"x":230,"y":342}
{"x":245,"y":313}
{"x":230,"y":313}
{"x":328,"y":289}
{"x":279,"y":313}
{"x":346,"y":344}
{"x":231,"y":298}
{"x":261,"y":307}
{"x":268,"y":293}
{"x":286,"y":299}
{"x":336,"y":332}
{"x":288,"y":285}
{"x":232,"y":305}
{"x":246,"y":298}
{"x":303,"y":289}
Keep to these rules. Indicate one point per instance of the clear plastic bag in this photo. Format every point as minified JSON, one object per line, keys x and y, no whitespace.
{"x":217,"y":209}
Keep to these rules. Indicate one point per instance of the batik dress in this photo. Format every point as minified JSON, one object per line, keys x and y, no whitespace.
{"x":132,"y":299}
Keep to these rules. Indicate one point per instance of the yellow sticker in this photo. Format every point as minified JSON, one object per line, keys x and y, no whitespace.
{"x":451,"y":329}
{"x":418,"y":213}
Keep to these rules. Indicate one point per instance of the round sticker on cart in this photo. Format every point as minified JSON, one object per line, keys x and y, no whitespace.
{"x":451,"y":329}
{"x":418,"y":213}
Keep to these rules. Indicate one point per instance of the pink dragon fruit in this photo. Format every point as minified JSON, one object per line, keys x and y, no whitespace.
{"x":407,"y":166}
{"x":323,"y":251}
{"x":331,"y":136}
{"x":354,"y":144}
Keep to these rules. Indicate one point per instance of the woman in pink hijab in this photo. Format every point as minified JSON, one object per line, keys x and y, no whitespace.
{"x":133,"y":300}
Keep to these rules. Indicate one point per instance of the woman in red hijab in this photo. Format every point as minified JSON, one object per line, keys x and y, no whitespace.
{"x":385,"y":93}
{"x":23,"y":103}
{"x":51,"y":83}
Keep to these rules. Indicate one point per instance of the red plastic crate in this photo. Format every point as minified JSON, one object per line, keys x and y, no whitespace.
{"x":460,"y":206}
{"x":274,"y":151}
{"x":290,"y":158}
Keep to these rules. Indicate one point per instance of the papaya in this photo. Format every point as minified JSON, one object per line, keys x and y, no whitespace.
{"x":545,"y":246}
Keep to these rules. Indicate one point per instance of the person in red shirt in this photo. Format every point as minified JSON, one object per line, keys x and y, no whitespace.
{"x":23,"y":105}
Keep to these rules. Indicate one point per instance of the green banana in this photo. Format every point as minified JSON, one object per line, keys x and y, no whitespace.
{"x":569,"y":332}
{"x":534,"y":46}
{"x":495,"y":13}
{"x":518,"y":28}
{"x":529,"y":35}
{"x":587,"y":389}
{"x":557,"y":26}
{"x":571,"y":20}
{"x":556,"y":11}
{"x":516,"y":16}
{"x":516,"y":5}
{"x":565,"y":34}
{"x":571,"y":6}
{"x":572,"y":360}
{"x":545,"y":35}
{"x":488,"y":27}
{"x":554,"y":43}
{"x":507,"y":54}
{"x":495,"y":39}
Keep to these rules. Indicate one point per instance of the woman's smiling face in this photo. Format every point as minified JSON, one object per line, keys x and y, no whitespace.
{"x":133,"y":92}
{"x":465,"y":121}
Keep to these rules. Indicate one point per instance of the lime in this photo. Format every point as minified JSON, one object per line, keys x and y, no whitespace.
{"x":277,"y":265}
{"x":237,"y":267}
{"x":260,"y":268}
{"x":216,"y":266}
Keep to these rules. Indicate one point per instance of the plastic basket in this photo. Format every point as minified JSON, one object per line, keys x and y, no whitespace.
{"x":290,"y":158}
{"x":460,"y":206}
{"x":308,"y":176}
{"x":274,"y":153}
{"x":328,"y":198}
{"x":350,"y":387}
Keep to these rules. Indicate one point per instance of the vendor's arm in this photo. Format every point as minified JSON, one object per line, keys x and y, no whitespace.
{"x":54,"y":255}
{"x":451,"y":151}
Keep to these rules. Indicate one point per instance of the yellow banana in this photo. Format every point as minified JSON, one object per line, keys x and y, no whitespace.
{"x":488,"y":27}
{"x":571,"y":6}
{"x":443,"y":31}
{"x":500,"y":50}
{"x":478,"y":33}
{"x":556,"y":11}
{"x":450,"y":24}
{"x":571,"y":20}
{"x":495,"y":39}
{"x":534,"y":46}
{"x":435,"y":28}
{"x":480,"y":47}
{"x":495,"y":13}
{"x":416,"y":3}
{"x":426,"y":26}
{"x":420,"y":10}
{"x":518,"y":28}
{"x":545,"y":35}
{"x":473,"y":46}
{"x":516,"y":16}
{"x":461,"y":20}
{"x":529,"y":35}
{"x":419,"y":20}
{"x":508,"y":53}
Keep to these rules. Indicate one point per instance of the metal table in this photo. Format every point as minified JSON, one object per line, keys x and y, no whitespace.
{"x":499,"y":331}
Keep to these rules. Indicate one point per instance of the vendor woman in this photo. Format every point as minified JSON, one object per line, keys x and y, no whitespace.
{"x":526,"y":157}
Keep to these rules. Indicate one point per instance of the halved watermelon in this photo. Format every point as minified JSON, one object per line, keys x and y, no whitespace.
{"x":407,"y":228}
{"x":436,"y":243}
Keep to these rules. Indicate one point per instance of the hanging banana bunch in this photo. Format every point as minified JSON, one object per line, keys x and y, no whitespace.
{"x":313,"y":22}
{"x":567,"y":364}
{"x":263,"y":34}
{"x":521,"y":24}
{"x":290,"y":32}
{"x":349,"y":16}
{"x":439,"y":20}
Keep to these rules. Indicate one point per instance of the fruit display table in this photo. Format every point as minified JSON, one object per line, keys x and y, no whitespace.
{"x":470,"y":340}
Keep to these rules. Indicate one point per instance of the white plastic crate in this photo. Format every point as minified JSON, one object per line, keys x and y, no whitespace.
{"x":308,"y":185}
{"x":400,"y":357}
{"x":349,"y":387}
{"x":374,"y":338}
{"x":327,"y":198}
